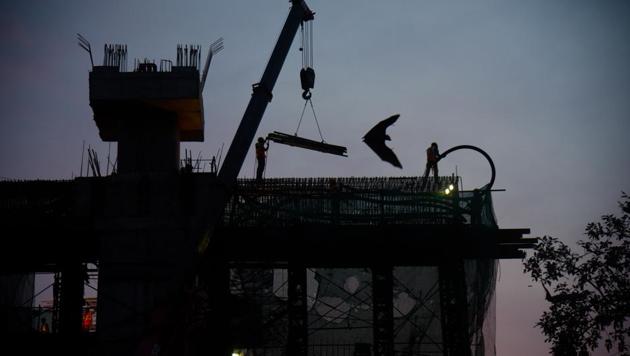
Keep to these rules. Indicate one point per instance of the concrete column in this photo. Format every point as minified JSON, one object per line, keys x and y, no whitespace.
{"x":148,"y":142}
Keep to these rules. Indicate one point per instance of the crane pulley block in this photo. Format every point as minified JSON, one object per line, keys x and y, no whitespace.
{"x":307,"y":77}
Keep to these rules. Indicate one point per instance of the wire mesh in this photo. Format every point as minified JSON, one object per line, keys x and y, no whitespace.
{"x":356,"y":201}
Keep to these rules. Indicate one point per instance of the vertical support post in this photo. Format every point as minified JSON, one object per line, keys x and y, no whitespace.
{"x":298,"y":335}
{"x":454,"y":308}
{"x":382,"y":291}
{"x":475,"y":214}
{"x":457,"y":217}
{"x":218,"y":284}
{"x":71,"y":294}
{"x":56,"y":302}
{"x":334,"y":202}
{"x":381,"y":207}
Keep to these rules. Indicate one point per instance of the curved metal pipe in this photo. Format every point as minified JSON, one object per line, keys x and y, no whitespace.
{"x":469,"y":147}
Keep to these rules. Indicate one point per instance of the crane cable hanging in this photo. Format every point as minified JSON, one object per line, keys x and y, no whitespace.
{"x":307,"y":79}
{"x":314,"y":115}
{"x":307,"y":73}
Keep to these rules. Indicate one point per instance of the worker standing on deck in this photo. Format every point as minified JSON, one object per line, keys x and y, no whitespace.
{"x":261,"y":157}
{"x":433,"y":156}
{"x":43,"y":327}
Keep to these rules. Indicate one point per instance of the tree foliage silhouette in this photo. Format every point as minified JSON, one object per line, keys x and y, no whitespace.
{"x":588,"y":292}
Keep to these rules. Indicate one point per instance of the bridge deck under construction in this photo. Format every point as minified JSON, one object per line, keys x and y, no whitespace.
{"x":386,"y":232}
{"x":263,"y":221}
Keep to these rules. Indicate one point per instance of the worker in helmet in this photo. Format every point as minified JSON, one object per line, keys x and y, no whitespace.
{"x":261,"y":157}
{"x":43,"y":327}
{"x":433,"y":156}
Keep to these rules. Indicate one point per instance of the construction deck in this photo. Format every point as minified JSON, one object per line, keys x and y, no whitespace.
{"x":266,"y":222}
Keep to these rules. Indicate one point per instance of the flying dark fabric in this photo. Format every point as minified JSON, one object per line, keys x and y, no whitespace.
{"x":376,"y":137}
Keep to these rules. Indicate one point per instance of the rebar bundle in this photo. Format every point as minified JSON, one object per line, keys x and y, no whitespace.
{"x":115,"y":55}
{"x":188,"y":56}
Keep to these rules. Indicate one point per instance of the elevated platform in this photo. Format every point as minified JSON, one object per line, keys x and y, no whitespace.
{"x":263,"y":223}
{"x":356,"y":201}
{"x":143,"y":230}
{"x":117,"y":96}
{"x":359,"y":246}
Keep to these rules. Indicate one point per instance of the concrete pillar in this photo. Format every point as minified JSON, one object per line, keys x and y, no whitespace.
{"x":148,"y":142}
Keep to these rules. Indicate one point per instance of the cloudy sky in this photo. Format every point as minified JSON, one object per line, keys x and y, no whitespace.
{"x":542,"y":85}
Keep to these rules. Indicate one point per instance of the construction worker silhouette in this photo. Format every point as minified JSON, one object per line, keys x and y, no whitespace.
{"x":88,"y":316}
{"x":43,"y":327}
{"x":433,"y":156}
{"x":261,"y":157}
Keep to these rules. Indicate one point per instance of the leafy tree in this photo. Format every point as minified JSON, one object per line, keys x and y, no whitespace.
{"x":588,"y":292}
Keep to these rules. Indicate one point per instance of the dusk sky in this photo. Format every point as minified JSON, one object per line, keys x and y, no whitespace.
{"x":543,"y":86}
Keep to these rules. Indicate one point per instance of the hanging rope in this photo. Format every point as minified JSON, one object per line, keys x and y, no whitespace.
{"x":307,"y":74}
{"x":307,"y":101}
{"x":303,"y":47}
{"x":307,"y":79}
{"x":301,"y":117}
{"x":317,"y":122}
{"x":310,"y":27}
{"x":306,"y":32}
